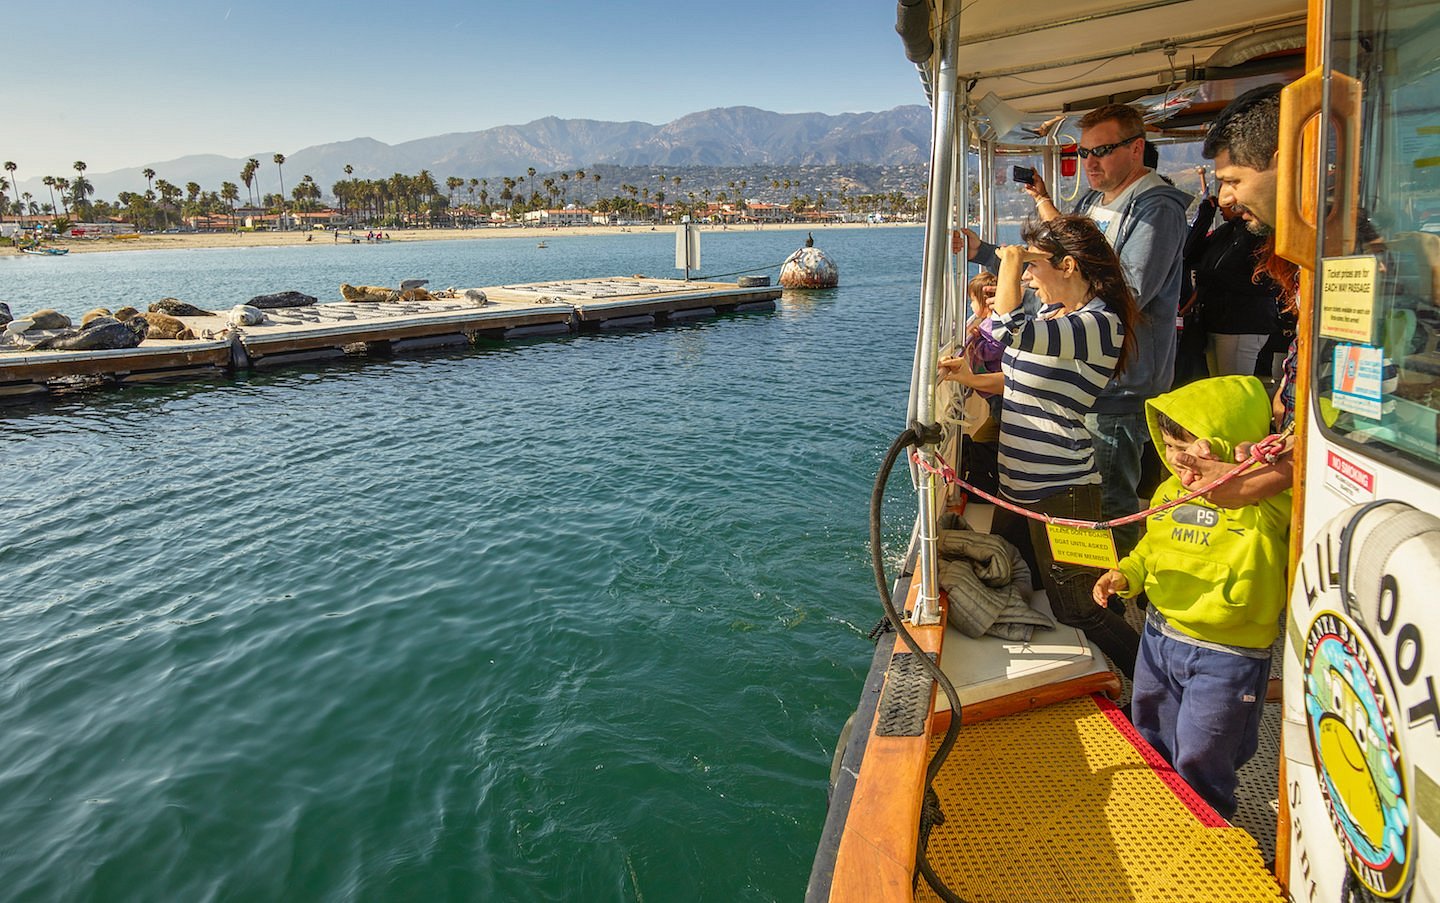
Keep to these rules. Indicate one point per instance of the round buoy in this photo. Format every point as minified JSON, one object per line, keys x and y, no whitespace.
{"x":809,"y":268}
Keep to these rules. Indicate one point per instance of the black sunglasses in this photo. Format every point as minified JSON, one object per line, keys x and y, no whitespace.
{"x":1105,"y":150}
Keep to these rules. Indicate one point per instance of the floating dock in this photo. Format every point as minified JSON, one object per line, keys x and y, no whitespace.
{"x":334,"y":329}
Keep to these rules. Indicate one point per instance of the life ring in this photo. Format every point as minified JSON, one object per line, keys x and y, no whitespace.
{"x":1361,"y":613}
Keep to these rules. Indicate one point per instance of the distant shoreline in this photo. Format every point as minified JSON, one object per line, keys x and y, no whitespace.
{"x":187,"y":240}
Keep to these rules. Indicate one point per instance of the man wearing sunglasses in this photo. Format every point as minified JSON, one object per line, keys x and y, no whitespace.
{"x":1144,"y":219}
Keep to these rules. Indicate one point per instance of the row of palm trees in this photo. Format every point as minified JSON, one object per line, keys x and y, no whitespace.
{"x":74,"y":193}
{"x":410,"y":199}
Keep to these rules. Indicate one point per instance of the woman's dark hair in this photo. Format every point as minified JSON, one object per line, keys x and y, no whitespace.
{"x":1080,"y":238}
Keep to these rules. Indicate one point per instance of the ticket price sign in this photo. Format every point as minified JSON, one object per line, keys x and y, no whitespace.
{"x":1347,"y":299}
{"x":1082,"y":546}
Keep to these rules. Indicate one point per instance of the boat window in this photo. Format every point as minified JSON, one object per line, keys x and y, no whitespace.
{"x":1377,"y":349}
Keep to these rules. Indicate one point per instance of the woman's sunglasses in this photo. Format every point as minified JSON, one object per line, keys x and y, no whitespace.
{"x":1105,"y":150}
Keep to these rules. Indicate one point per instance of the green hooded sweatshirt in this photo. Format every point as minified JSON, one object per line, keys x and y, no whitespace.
{"x":1217,"y":574}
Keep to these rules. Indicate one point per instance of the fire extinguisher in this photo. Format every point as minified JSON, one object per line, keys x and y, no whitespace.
{"x":1069,"y":160}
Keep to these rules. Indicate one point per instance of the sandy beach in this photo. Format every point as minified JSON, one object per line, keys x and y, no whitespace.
{"x":180,"y":241}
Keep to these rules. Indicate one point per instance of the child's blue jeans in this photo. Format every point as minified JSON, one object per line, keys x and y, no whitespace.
{"x":1200,"y":709}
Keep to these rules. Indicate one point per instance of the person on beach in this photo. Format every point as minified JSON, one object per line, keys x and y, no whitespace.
{"x":1055,"y":364}
{"x":1215,"y":578}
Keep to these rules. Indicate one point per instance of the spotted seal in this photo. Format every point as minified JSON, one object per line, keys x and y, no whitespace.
{"x":164,"y":326}
{"x":112,"y":335}
{"x":281,"y":299}
{"x":5,"y":315}
{"x":245,"y":315}
{"x":177,"y":308}
{"x":95,"y":314}
{"x":126,"y":313}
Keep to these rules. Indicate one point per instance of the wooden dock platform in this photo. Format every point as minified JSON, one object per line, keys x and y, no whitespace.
{"x":333,"y":329}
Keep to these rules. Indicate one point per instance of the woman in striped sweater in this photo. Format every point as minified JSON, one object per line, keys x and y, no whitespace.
{"x":1054,"y":365}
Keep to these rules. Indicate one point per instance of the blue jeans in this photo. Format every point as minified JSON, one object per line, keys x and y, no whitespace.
{"x":1201,"y":710}
{"x":1119,"y":441}
{"x":1069,"y":586}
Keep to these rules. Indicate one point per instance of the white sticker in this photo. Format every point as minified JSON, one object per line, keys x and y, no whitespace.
{"x":1348,"y":480}
{"x":1359,"y":372}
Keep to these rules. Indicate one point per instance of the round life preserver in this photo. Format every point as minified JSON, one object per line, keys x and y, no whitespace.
{"x":1362,"y":611}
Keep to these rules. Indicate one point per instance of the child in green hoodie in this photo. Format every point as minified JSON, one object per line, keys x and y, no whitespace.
{"x":1215,"y":578}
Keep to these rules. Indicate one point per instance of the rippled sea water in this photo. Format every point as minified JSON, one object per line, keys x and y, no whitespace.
{"x":568,"y":619}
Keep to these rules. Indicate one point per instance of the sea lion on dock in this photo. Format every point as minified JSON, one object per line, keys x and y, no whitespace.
{"x":177,"y":308}
{"x":112,"y":335}
{"x":126,"y":313}
{"x":281,"y":299}
{"x":95,"y":314}
{"x":368,"y":293}
{"x":164,"y":326}
{"x":245,"y":315}
{"x":49,"y":319}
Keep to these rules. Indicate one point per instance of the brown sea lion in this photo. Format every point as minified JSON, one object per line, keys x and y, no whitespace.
{"x":95,"y":314}
{"x":177,"y":308}
{"x":164,"y":326}
{"x":372,"y":293}
{"x":49,"y":319}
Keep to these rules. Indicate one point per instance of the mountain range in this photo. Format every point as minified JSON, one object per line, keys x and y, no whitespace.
{"x":726,"y":136}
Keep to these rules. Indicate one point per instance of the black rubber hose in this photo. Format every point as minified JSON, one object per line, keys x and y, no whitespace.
{"x":877,"y":561}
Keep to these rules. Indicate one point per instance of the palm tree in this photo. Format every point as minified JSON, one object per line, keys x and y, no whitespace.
{"x":149,"y":175}
{"x":10,"y":167}
{"x":279,"y":160}
{"x":82,"y":188}
{"x":49,"y":182}
{"x":231,"y":193}
{"x":63,"y":184}
{"x":533,"y":192}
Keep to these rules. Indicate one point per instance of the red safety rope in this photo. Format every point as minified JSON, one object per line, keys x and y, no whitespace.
{"x":1266,"y":451}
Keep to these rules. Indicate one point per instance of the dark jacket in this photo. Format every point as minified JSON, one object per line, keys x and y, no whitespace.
{"x":1223,"y":260}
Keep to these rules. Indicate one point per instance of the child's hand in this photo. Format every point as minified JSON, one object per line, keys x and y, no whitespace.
{"x":1111,"y":583}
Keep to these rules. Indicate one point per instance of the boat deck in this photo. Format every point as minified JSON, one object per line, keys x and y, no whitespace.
{"x":333,"y":329}
{"x":1076,"y":807}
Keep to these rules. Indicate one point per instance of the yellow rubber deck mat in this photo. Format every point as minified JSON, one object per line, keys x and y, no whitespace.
{"x":1066,"y":804}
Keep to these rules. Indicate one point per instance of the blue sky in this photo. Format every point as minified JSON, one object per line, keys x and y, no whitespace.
{"x":120,"y":84}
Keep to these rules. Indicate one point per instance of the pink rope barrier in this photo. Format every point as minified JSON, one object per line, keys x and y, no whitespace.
{"x":1266,"y":451}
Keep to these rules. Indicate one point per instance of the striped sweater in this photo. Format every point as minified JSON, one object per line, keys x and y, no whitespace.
{"x":1055,"y":366}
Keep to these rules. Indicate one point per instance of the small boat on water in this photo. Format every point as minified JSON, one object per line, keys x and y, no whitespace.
{"x":542,"y":245}
{"x":52,"y":252}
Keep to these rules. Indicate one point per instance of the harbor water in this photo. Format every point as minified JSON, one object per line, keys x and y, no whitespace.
{"x":565,"y":619}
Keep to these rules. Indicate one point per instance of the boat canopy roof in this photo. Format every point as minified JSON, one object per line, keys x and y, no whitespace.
{"x":1045,"y":61}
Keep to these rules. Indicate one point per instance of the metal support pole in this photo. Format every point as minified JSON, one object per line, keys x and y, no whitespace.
{"x":932,"y":301}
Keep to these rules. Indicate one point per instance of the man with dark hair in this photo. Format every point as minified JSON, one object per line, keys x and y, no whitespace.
{"x":1244,"y":142}
{"x":1144,"y":220}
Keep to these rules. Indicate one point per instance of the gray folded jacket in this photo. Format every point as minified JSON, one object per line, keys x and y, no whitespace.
{"x":989,"y":586}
